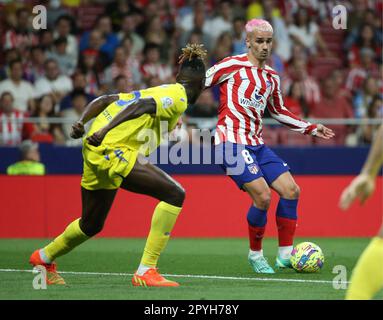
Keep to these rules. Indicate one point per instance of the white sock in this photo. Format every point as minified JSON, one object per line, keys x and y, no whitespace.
{"x":285,"y":252}
{"x":44,"y":257}
{"x":142,"y":269}
{"x":256,"y":254}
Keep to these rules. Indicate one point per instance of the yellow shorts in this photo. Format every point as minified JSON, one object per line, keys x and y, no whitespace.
{"x":106,"y":168}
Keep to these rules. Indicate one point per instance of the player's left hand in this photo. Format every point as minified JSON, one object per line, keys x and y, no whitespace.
{"x":361,"y":187}
{"x":96,"y":138}
{"x":77,"y":130}
{"x":324,"y":132}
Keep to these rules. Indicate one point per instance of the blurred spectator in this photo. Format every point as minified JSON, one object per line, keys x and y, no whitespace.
{"x":200,"y":28}
{"x":367,"y":68}
{"x":364,"y":96}
{"x":94,"y":76}
{"x":305,"y":32}
{"x":187,"y":21}
{"x":34,"y":68}
{"x":54,"y":11}
{"x":222,"y":22}
{"x":20,"y":37}
{"x":13,"y":128}
{"x":79,"y":85}
{"x":339,"y":78}
{"x":46,"y":39}
{"x":96,"y":43}
{"x":79,"y":102}
{"x":223,"y":47}
{"x":64,"y":60}
{"x":123,"y":66}
{"x":281,"y":39}
{"x":356,"y":14}
{"x":9,"y":55}
{"x":332,"y":106}
{"x":365,"y":39}
{"x":238,"y":10}
{"x":63,"y":28}
{"x":152,"y":67}
{"x":30,"y":161}
{"x":128,"y":30}
{"x":110,"y":40}
{"x":54,"y":83}
{"x":239,"y":36}
{"x":374,"y":111}
{"x":120,"y":84}
{"x":21,"y":90}
{"x":45,"y":131}
{"x":117,"y":10}
{"x":295,"y":100}
{"x":309,"y":85}
{"x":155,"y":33}
{"x":205,"y":106}
{"x":255,"y":10}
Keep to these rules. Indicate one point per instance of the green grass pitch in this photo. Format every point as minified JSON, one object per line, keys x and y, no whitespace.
{"x":205,"y":268}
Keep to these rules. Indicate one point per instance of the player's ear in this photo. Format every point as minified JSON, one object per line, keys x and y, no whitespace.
{"x":247,"y":41}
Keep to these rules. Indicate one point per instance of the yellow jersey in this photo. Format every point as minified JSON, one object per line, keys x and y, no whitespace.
{"x":144,"y":133}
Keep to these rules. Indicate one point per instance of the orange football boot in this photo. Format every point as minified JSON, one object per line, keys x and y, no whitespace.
{"x":152,"y":278}
{"x":52,"y":276}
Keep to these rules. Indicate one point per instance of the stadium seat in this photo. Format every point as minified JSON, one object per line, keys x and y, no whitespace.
{"x":271,"y":136}
{"x":291,"y":138}
{"x":87,"y":15}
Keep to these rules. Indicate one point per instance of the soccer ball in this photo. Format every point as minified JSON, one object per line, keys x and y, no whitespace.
{"x":307,"y":257}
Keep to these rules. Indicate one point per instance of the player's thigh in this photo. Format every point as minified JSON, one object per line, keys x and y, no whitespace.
{"x":286,"y":186}
{"x":259,"y":192}
{"x":150,"y":180}
{"x":239,"y":163}
{"x":95,"y":207}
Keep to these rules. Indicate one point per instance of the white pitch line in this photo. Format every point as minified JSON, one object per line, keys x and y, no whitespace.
{"x":185,"y":276}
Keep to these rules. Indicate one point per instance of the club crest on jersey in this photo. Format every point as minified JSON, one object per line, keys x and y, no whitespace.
{"x":253,"y":168}
{"x":166,"y":102}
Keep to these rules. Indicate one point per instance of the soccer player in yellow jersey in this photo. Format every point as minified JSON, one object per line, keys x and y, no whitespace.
{"x":111,"y":151}
{"x":367,"y":276}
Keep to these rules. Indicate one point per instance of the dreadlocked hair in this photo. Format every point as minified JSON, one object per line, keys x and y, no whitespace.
{"x":192,"y":57}
{"x":191,"y":50}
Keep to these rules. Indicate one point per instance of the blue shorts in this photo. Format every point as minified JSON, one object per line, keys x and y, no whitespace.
{"x":245,"y":163}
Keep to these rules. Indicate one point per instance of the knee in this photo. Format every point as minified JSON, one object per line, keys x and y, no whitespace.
{"x":262,"y":200}
{"x":91,"y":228}
{"x":177,"y":196}
{"x":292,"y":191}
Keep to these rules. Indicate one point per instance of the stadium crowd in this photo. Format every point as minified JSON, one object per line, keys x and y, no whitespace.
{"x":90,"y":48}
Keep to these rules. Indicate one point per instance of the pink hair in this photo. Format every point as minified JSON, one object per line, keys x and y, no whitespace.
{"x":258,"y":24}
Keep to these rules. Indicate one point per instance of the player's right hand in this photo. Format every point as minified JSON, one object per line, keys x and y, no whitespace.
{"x":361,"y":187}
{"x":78,"y":130}
{"x":96,"y":138}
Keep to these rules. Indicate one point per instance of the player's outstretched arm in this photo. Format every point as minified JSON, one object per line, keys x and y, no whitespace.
{"x":364,"y":184}
{"x":135,"y":110}
{"x":324,"y":132}
{"x":93,"y":109}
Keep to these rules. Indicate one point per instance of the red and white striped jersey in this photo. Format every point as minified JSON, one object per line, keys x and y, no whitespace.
{"x":245,"y":92}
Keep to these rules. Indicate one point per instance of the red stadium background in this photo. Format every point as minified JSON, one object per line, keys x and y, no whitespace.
{"x":213,"y":208}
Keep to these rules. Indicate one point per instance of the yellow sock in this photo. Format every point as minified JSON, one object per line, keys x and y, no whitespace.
{"x":367,"y":277}
{"x":65,"y":242}
{"x":163,"y":220}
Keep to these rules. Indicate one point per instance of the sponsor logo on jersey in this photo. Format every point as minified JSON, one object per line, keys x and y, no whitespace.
{"x":251,"y":102}
{"x":253,"y":168}
{"x":166,"y":102}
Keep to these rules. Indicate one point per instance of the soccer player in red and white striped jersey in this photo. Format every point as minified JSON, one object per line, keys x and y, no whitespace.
{"x":247,"y":87}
